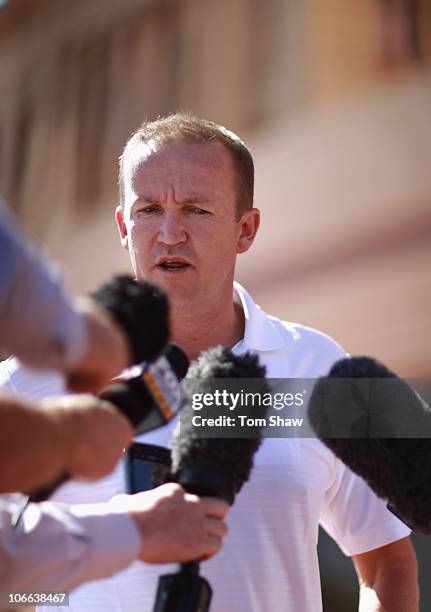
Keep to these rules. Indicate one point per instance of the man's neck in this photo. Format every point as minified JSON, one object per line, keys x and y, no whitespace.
{"x":195,"y":334}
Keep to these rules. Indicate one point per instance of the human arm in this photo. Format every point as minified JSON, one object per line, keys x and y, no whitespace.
{"x":43,"y":327}
{"x":365,"y":530}
{"x":56,"y":547}
{"x":388,"y":578}
{"x":78,"y":434}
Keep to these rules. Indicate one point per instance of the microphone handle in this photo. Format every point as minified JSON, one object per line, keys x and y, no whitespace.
{"x":185,"y":591}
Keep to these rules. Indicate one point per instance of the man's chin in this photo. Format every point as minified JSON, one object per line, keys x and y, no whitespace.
{"x":166,"y":277}
{"x":178,"y":285}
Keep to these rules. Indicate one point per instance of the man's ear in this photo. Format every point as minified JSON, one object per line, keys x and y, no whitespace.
{"x":248,"y":226}
{"x":119,"y":217}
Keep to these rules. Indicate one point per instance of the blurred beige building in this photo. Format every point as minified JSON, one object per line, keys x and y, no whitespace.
{"x":334,"y":98}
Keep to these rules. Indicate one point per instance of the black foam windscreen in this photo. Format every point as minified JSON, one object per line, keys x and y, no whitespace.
{"x":214,"y":466}
{"x":141,"y":309}
{"x":396,"y":468}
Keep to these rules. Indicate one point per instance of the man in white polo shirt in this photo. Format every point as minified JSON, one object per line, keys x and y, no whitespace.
{"x":185,"y":213}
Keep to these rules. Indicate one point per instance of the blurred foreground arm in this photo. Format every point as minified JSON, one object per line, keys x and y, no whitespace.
{"x":41,"y":326}
{"x":79,"y":434}
{"x":388,"y":578}
{"x":58,"y":548}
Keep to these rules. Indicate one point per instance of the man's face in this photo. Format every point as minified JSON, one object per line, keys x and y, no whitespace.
{"x":179,"y":220}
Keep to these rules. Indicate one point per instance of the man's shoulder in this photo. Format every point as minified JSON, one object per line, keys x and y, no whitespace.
{"x":287,"y":349}
{"x":270,"y":332}
{"x":297,"y":334}
{"x":29,"y":383}
{"x":303,"y":352}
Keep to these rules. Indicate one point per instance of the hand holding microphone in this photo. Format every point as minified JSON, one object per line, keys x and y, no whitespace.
{"x":215,"y":467}
{"x":175,"y":526}
{"x":148,"y":394}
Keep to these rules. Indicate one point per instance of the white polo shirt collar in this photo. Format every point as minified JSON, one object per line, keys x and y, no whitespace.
{"x":260,"y":332}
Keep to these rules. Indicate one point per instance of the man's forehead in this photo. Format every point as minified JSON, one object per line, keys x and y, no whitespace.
{"x":152,"y":155}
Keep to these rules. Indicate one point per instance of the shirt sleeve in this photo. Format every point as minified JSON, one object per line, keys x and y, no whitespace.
{"x":39,"y":323}
{"x":355,"y":517}
{"x":56,"y":547}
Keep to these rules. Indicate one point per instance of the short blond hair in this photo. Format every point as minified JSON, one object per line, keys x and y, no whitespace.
{"x":185,"y":127}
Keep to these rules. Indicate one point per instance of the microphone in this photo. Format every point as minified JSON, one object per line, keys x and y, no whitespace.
{"x":141,"y":310}
{"x":148,"y":395}
{"x":378,"y":426}
{"x":216,"y":467}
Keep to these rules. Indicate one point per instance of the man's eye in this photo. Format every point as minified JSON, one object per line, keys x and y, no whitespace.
{"x":199,"y":211}
{"x":147,"y":210}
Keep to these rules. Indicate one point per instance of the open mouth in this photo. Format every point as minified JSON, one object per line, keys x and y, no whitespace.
{"x":173,"y":266}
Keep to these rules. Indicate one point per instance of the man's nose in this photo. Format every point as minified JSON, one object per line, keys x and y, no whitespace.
{"x":171,"y":230}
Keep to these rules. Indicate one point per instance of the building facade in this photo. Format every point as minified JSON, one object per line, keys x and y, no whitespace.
{"x":333,"y":98}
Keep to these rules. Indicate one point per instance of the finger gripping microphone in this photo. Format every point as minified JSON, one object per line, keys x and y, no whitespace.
{"x":216,"y":467}
{"x":386,"y":442}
